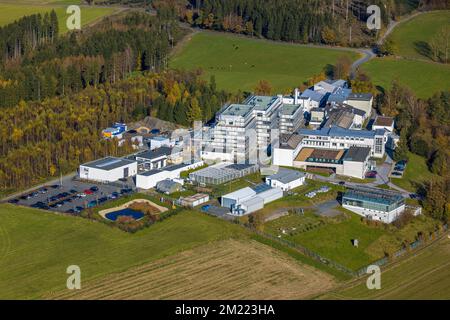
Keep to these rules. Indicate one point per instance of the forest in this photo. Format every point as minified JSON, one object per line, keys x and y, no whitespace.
{"x":424,"y":129}
{"x":37,"y":63}
{"x":42,"y":139}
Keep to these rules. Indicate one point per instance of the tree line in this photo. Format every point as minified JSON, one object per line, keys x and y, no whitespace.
{"x":320,"y":21}
{"x":424,"y":129}
{"x":60,"y":65}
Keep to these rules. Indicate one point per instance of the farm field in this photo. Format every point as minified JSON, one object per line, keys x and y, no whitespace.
{"x":239,"y":63}
{"x":11,"y":12}
{"x":426,"y":275}
{"x":229,"y":269}
{"x":416,"y":173}
{"x":36,"y":247}
{"x":412,"y":37}
{"x":424,"y":78}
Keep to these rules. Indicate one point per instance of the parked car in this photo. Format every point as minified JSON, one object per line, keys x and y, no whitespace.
{"x":91,"y":204}
{"x":73,"y":191}
{"x":43,"y":190}
{"x":371,"y":175}
{"x":13,"y":201}
{"x":79,"y":209}
{"x":94,"y":189}
{"x":81,"y":195}
{"x":341,"y":183}
{"x":88,"y":191}
{"x":54,"y":186}
{"x":399,"y":168}
{"x":395,"y":173}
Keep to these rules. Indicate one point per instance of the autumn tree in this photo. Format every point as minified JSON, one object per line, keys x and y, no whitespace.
{"x":263,"y":88}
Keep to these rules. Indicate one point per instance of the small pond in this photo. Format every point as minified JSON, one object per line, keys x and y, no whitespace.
{"x":124,"y":212}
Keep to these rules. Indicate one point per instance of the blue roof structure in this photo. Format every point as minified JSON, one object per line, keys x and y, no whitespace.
{"x":313,"y":95}
{"x":334,"y":131}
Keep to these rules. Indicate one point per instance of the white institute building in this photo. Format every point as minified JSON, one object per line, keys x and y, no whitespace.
{"x":247,"y":200}
{"x":345,"y":151}
{"x":286,"y":179}
{"x":374,"y":203}
{"x":230,"y":138}
{"x":108,"y":169}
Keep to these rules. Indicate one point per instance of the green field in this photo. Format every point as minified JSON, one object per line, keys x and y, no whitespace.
{"x":333,"y":240}
{"x":426,"y":275}
{"x":412,"y":37}
{"x":12,"y":12}
{"x":423,"y":78}
{"x":416,"y":173}
{"x":36,"y":247}
{"x":239,"y":63}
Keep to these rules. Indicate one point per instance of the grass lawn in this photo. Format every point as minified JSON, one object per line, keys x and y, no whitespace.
{"x":12,"y":12}
{"x":36,"y":247}
{"x":424,"y":78}
{"x":416,"y":173}
{"x":239,"y":63}
{"x":333,"y":241}
{"x":412,"y":37}
{"x":425,"y":275}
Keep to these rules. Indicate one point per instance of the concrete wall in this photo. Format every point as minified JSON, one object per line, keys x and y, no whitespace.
{"x":285,"y":186}
{"x":386,"y":217}
{"x":355,"y":169}
{"x":97,"y":174}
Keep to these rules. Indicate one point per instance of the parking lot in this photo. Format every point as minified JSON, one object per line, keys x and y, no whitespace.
{"x":72,"y":197}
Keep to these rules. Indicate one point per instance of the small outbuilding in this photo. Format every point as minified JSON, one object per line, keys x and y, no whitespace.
{"x":286,"y":179}
{"x":168,"y":186}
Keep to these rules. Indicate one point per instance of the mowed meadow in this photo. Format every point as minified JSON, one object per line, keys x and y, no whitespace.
{"x":424,"y":275}
{"x":412,"y":65}
{"x":239,"y":63}
{"x":229,"y":269}
{"x":10,"y":12}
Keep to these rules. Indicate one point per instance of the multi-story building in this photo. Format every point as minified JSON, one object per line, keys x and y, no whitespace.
{"x":290,"y":118}
{"x":228,"y":138}
{"x":241,"y":126}
{"x":340,"y":138}
{"x":266,"y":112}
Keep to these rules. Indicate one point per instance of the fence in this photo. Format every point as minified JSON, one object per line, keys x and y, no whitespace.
{"x":362,"y":271}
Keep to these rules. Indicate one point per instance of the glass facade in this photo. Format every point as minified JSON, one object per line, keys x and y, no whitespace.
{"x":373,"y":200}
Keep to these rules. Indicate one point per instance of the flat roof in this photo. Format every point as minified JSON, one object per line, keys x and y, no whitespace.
{"x":286,"y":175}
{"x":108,"y":163}
{"x":357,"y":154}
{"x":337,"y":131}
{"x":289,"y":109}
{"x":383,"y":121}
{"x":261,"y":103}
{"x":156,"y":153}
{"x":240,"y":110}
{"x":376,"y":195}
{"x":360,"y":96}
{"x":240,"y":194}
